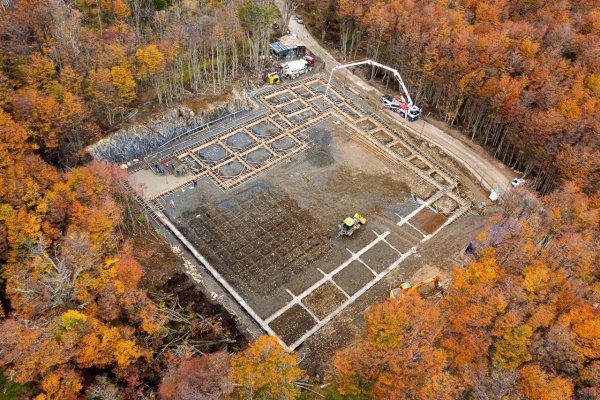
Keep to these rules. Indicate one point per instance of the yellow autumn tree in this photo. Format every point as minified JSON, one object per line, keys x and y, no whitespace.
{"x":150,"y":61}
{"x":39,"y":72}
{"x":121,"y":9}
{"x":123,"y":81}
{"x":512,"y":349}
{"x":71,"y":319}
{"x":539,"y":281}
{"x":266,"y":370}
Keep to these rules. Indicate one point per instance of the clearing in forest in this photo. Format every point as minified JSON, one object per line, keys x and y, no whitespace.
{"x":261,"y":201}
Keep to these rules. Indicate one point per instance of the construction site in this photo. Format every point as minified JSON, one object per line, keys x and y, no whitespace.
{"x":257,"y":200}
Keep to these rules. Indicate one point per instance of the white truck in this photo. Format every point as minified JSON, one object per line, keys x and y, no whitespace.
{"x":294,"y":69}
{"x":403,"y":106}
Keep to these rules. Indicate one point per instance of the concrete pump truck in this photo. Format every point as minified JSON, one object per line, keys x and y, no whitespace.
{"x":403,"y":105}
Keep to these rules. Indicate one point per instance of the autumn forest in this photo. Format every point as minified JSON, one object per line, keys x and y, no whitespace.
{"x":520,"y":77}
{"x":80,"y":316}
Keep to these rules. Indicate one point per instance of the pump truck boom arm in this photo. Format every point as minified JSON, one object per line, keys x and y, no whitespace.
{"x":375,"y":64}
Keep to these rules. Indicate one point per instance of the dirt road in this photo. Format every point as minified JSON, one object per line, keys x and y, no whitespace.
{"x":490,"y":172}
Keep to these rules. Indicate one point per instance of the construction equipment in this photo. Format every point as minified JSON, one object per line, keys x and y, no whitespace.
{"x":400,"y":106}
{"x":405,"y":106}
{"x":294,"y":69}
{"x":310,"y":60}
{"x":274,"y":78}
{"x":350,"y":225}
{"x":407,"y":288}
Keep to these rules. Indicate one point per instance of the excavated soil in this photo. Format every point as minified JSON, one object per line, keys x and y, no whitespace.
{"x":428,"y":221}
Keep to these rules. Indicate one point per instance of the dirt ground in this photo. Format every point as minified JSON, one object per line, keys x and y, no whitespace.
{"x":436,"y":257}
{"x":274,"y":233}
{"x":427,"y":221}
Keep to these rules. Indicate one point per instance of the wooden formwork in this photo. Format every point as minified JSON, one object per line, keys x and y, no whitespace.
{"x":287,"y":92}
{"x":278,"y":119}
{"x":265,"y":166}
{"x":294,"y":100}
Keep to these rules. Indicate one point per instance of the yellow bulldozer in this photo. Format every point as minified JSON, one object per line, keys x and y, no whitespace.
{"x":350,"y":225}
{"x":407,"y":288}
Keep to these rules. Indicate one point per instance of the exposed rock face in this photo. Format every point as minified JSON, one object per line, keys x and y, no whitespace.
{"x":138,"y":140}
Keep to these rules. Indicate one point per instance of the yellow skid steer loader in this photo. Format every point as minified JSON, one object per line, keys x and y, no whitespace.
{"x":350,"y":225}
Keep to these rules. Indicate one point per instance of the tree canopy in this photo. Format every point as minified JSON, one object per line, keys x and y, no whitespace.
{"x":519,"y":321}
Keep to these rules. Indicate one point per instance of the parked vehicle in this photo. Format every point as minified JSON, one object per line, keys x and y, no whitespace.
{"x":273,"y":78}
{"x":294,"y":69}
{"x":310,"y":60}
{"x":517,"y":182}
{"x":401,"y":106}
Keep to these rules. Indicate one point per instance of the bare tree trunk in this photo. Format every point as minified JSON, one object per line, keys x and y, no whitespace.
{"x":288,"y":9}
{"x":99,"y":12}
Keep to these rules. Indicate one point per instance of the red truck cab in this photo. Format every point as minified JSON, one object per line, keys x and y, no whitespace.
{"x":310,"y":60}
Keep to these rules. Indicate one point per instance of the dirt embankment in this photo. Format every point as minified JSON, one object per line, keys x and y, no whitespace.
{"x":137,"y":140}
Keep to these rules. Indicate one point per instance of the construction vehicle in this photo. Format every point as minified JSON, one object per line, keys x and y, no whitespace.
{"x":274,"y":78}
{"x":404,"y":105}
{"x":293,"y":69}
{"x":350,"y":225}
{"x":407,"y":288}
{"x":400,"y":106}
{"x":310,"y":60}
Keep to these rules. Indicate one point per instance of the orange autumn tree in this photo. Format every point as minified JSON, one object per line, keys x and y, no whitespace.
{"x":397,"y":359}
{"x":539,"y":385}
{"x":14,"y":141}
{"x":266,"y":370}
